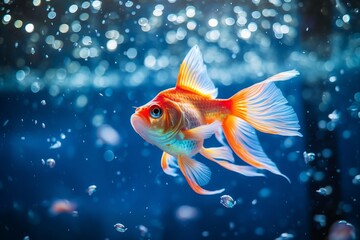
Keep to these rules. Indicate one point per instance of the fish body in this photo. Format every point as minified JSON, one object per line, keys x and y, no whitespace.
{"x":179,"y":119}
{"x":193,"y":111}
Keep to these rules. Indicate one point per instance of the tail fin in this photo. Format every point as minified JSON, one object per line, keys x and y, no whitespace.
{"x":243,"y":140}
{"x":264,"y":107}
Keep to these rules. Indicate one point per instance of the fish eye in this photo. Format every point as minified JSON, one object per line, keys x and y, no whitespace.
{"x":155,"y":111}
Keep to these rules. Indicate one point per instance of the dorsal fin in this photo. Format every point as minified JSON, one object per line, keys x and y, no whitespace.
{"x":193,"y":75}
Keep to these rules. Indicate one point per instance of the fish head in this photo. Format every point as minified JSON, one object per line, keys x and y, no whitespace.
{"x":158,"y":121}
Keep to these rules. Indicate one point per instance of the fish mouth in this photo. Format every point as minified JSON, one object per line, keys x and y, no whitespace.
{"x":138,"y":123}
{"x":141,"y":126}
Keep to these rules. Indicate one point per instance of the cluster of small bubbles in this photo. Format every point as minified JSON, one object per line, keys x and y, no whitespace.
{"x":54,"y":43}
{"x":115,"y":38}
{"x":212,"y":36}
{"x":145,"y":24}
{"x":158,"y":11}
{"x":275,"y":17}
{"x":152,"y":62}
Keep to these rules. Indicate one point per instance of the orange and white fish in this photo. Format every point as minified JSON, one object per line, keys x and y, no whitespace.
{"x":178,"y":120}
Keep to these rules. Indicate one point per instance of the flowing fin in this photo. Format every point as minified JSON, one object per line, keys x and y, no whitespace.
{"x":244,"y":142}
{"x":220,"y":136}
{"x":169,"y":164}
{"x":193,"y":75}
{"x":202,"y":132}
{"x":223,"y":152}
{"x":283,"y":76}
{"x":196,"y":174}
{"x":217,"y":153}
{"x":265,"y":108}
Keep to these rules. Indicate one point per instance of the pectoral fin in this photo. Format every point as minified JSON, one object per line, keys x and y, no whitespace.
{"x":202,"y":132}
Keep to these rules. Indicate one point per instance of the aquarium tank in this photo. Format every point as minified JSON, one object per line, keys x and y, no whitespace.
{"x":73,"y":72}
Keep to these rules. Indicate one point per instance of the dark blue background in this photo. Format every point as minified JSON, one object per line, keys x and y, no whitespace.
{"x":132,"y":189}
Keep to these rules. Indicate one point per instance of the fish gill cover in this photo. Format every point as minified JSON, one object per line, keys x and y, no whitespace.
{"x":71,"y":166}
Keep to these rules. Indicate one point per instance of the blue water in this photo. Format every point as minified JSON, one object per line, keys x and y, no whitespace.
{"x":69,"y":85}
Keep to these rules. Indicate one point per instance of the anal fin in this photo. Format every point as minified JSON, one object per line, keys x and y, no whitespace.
{"x":217,"y":153}
{"x":169,"y":164}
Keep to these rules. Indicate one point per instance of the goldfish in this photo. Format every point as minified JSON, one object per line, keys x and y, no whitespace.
{"x":178,"y":120}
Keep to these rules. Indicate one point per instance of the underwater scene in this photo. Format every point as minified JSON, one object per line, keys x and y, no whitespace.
{"x":180,"y":119}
